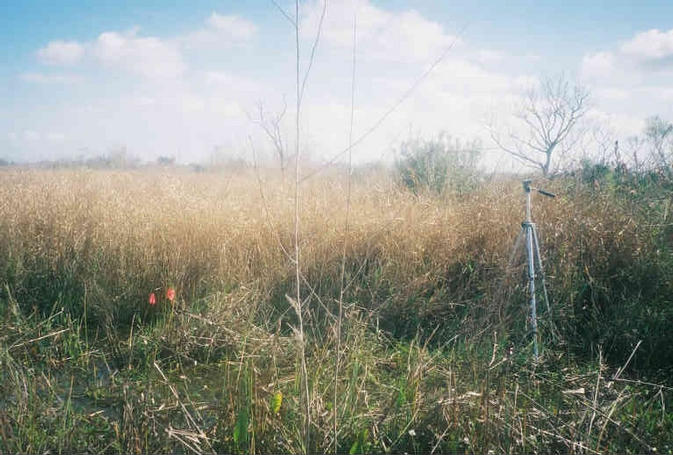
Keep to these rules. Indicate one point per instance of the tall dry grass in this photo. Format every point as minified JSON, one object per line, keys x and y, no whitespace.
{"x":434,"y":315}
{"x":120,"y":234}
{"x":114,"y":237}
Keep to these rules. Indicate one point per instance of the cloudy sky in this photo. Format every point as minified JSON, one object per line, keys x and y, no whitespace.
{"x":181,"y":78}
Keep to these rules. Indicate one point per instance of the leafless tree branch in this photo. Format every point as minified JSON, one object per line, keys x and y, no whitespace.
{"x":271,"y":124}
{"x":547,"y":118}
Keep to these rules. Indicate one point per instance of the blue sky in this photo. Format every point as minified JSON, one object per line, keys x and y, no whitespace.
{"x":182,"y":78}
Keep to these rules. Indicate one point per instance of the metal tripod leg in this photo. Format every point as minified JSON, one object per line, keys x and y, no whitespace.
{"x":536,"y":242}
{"x":528,"y":226}
{"x":526,"y":234}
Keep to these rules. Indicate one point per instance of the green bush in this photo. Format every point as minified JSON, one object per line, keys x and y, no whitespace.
{"x":438,"y":165}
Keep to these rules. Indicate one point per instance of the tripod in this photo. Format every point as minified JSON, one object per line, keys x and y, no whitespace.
{"x":534,"y":261}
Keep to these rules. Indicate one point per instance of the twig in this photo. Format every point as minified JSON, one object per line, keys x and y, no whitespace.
{"x":284,"y":13}
{"x":174,"y":434}
{"x":598,"y":382}
{"x":621,"y":370}
{"x":49,"y":335}
{"x":609,"y":419}
{"x":313,"y":49}
{"x":570,"y":443}
{"x":651,"y":384}
{"x":188,"y":417}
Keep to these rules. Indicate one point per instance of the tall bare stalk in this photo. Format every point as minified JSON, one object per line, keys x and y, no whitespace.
{"x":296,"y":302}
{"x":301,"y":85}
{"x":342,"y":288}
{"x":297,"y":267}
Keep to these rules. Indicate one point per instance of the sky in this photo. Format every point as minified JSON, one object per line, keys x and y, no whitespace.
{"x":182,"y":79}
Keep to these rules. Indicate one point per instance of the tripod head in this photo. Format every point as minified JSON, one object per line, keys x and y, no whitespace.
{"x":527,"y":188}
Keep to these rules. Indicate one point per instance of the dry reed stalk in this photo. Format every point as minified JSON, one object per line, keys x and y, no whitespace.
{"x":342,"y":283}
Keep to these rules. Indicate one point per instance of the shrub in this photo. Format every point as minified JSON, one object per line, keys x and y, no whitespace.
{"x":438,"y":164}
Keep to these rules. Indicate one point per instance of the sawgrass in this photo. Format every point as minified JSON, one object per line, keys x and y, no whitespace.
{"x":435,"y":350}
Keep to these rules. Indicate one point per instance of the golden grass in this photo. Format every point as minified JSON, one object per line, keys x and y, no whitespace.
{"x":123,"y":233}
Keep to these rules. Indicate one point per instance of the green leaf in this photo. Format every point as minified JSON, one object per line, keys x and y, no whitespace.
{"x":359,"y":444}
{"x":237,"y":433}
{"x":276,"y":402}
{"x":241,"y":428}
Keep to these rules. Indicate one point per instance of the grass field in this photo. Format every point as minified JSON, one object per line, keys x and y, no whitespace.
{"x":433,"y":353}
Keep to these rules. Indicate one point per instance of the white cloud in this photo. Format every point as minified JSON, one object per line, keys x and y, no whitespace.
{"x":144,"y":101}
{"x":221,"y":31}
{"x":228,"y":82}
{"x":28,"y":136}
{"x":634,"y":77}
{"x":630,"y":81}
{"x":667,"y":94}
{"x":386,"y":35}
{"x":31,"y":136}
{"x":55,"y":137}
{"x":611,"y":93}
{"x":597,"y":65}
{"x":219,"y":78}
{"x":487,"y":56}
{"x":650,"y":46}
{"x":460,"y":76}
{"x":236,"y":27}
{"x":623,"y":124}
{"x":42,"y":78}
{"x":191,"y":103}
{"x":223,"y":107}
{"x":149,"y":57}
{"x":648,"y":55}
{"x":61,"y":53}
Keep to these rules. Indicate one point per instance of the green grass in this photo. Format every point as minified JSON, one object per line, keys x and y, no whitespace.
{"x":140,"y":394}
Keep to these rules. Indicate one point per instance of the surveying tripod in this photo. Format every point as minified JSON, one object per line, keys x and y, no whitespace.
{"x":534,"y":261}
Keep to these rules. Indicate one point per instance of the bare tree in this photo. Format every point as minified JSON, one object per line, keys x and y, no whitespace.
{"x":634,"y":146}
{"x":606,"y":148}
{"x":659,"y":135}
{"x":546,"y":119}
{"x":271,"y":125}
